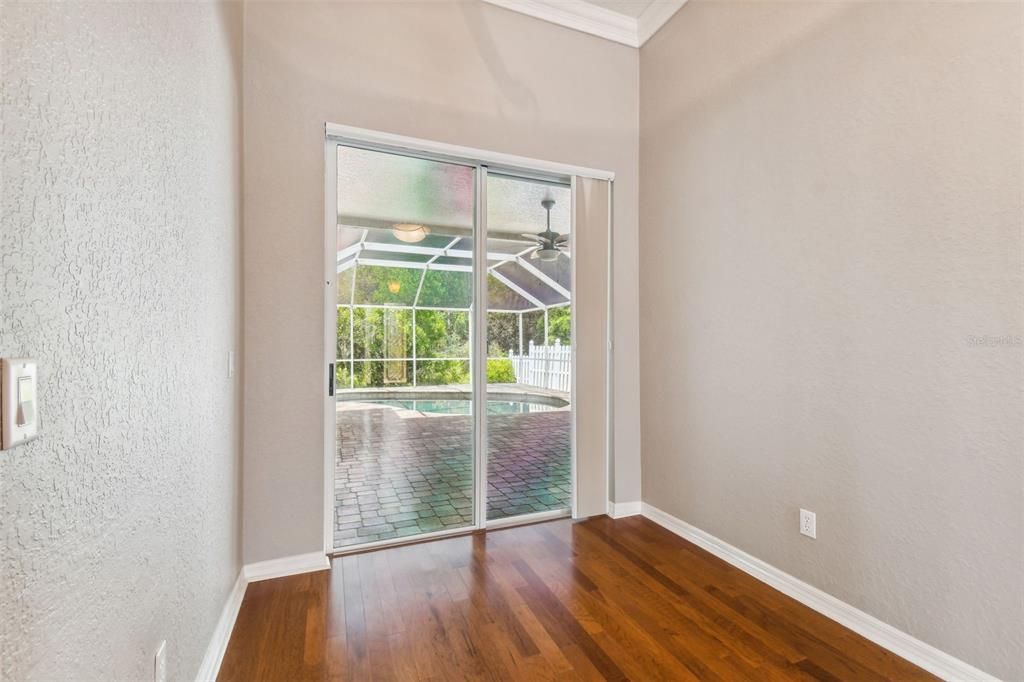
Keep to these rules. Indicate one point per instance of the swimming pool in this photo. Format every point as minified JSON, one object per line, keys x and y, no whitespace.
{"x":450,"y":406}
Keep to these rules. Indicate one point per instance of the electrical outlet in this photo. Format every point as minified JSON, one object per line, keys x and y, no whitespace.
{"x":808,"y":523}
{"x":160,"y":663}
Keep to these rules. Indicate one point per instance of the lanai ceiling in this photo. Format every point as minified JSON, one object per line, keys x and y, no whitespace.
{"x":378,"y":192}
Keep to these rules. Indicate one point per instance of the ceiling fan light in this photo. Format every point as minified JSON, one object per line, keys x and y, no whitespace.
{"x":547,"y":254}
{"x":410,"y":233}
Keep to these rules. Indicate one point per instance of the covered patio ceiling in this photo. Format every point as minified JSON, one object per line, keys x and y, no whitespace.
{"x":377,"y":191}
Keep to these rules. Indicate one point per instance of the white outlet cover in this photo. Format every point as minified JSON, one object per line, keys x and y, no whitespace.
{"x":160,"y":663}
{"x":808,"y":523}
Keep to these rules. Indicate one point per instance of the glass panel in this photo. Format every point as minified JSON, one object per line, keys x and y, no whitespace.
{"x":345,"y":285}
{"x":442,"y":334}
{"x":537,"y":286}
{"x":459,"y":261}
{"x":380,"y":190}
{"x":343,"y":374}
{"x":382,"y":374}
{"x":447,"y":289}
{"x":513,"y":207}
{"x":386,"y":236}
{"x":368,"y":253}
{"x":404,"y":463}
{"x":501,"y":297}
{"x":560,"y":325}
{"x":386,"y":285}
{"x":445,"y":373}
{"x":559,"y":270}
{"x":502,"y":334}
{"x":529,"y":416}
{"x":344,"y":334}
{"x":349,"y":237}
{"x":508,"y":247}
{"x":533,"y":329}
{"x":381,"y":333}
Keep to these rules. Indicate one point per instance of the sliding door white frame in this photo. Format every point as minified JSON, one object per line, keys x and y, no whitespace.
{"x":466,"y":156}
{"x":478,"y":348}
{"x":484,"y":161}
{"x":574,"y":505}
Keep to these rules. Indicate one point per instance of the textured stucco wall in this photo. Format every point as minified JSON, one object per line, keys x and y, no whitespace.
{"x":119,"y":267}
{"x":461,"y":72}
{"x":831,"y":209}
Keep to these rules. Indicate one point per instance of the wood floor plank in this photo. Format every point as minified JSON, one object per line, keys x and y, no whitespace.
{"x":774,"y":608}
{"x":696,"y":641}
{"x":693,"y":608}
{"x":601,"y":599}
{"x":356,"y":639}
{"x":684,"y":584}
{"x":560,"y":623}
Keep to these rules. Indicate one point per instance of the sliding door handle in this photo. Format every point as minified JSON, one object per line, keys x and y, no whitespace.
{"x":330,"y":378}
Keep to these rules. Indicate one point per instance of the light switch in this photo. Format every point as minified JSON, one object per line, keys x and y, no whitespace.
{"x":19,"y":412}
{"x":26,"y":401}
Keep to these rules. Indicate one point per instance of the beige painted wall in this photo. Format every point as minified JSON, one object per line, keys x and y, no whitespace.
{"x":464,"y":73}
{"x":831,"y":212}
{"x":120,"y":273}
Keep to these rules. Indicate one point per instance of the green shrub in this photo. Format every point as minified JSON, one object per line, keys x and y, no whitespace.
{"x":442,"y":372}
{"x":499,"y":371}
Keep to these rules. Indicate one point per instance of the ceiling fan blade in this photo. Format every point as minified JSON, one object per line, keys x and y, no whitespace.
{"x":532,"y":237}
{"x":533,"y":254}
{"x":562,"y":239}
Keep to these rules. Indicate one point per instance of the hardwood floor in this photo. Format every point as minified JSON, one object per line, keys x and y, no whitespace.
{"x":600,"y":599}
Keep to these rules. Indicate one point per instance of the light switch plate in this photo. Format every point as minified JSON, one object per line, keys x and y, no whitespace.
{"x":19,"y":402}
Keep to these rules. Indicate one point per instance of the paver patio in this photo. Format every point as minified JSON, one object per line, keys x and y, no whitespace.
{"x":400,"y":473}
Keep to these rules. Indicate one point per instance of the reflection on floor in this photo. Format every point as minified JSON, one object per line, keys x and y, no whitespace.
{"x":594,"y":600}
{"x":399,"y":473}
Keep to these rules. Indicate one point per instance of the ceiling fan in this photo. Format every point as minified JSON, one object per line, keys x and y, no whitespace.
{"x":549,"y":243}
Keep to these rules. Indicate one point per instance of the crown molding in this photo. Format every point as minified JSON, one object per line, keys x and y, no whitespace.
{"x":586,"y":17}
{"x":654,"y":17}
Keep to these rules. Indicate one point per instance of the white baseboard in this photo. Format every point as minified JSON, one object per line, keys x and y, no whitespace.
{"x":900,"y":643}
{"x":210,"y":666}
{"x":289,"y":565}
{"x":250,"y":573}
{"x":619,"y":510}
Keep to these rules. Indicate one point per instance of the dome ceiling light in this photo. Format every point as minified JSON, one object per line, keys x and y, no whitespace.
{"x":409,"y":232}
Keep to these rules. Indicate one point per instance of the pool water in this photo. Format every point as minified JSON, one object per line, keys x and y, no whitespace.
{"x":464,"y":406}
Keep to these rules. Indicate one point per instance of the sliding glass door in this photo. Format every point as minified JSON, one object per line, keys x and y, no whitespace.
{"x":452,"y":356}
{"x":405,"y":461}
{"x":529,"y":348}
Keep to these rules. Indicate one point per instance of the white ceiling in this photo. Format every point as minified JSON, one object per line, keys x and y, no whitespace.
{"x":630,"y":22}
{"x":631,"y":8}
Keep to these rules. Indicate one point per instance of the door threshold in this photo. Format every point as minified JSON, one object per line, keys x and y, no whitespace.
{"x":497,"y":524}
{"x":526,"y":519}
{"x":410,"y":540}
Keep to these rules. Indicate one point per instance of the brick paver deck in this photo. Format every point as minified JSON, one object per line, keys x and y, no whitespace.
{"x":400,"y":473}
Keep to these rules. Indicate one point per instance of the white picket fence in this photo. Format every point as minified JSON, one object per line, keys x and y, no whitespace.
{"x":544,"y":366}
